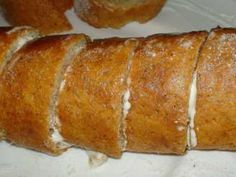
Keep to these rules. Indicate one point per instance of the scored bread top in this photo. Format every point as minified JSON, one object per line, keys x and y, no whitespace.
{"x":215,"y":120}
{"x":160,"y":79}
{"x":90,"y":103}
{"x":27,"y":87}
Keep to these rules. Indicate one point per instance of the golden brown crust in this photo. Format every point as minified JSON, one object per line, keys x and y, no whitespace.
{"x":46,"y":15}
{"x":161,"y":75}
{"x":102,"y":15}
{"x":215,"y":119}
{"x":26,"y":89}
{"x":90,"y":105}
{"x":8,"y":39}
{"x":62,"y":5}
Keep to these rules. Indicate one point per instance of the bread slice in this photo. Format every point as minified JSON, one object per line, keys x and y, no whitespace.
{"x":46,"y":15}
{"x":12,"y":39}
{"x":29,"y":90}
{"x":160,"y":78}
{"x":215,"y":120}
{"x":116,"y":13}
{"x":90,"y":103}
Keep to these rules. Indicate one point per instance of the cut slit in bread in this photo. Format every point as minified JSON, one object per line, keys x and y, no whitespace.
{"x":97,"y":159}
{"x":126,"y":104}
{"x":13,"y":39}
{"x":191,"y":133}
{"x":58,"y":86}
{"x":191,"y":137}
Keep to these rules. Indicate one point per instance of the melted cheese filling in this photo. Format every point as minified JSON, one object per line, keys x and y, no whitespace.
{"x":192,"y":139}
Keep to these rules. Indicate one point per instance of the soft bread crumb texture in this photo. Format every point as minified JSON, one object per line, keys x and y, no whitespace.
{"x":215,"y":121}
{"x":115,"y":14}
{"x":161,"y":75}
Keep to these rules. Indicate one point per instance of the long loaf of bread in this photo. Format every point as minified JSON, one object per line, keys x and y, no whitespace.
{"x":164,"y":93}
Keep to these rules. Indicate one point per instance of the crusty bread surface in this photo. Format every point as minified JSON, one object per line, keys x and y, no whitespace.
{"x":118,"y":94}
{"x":90,"y":104}
{"x":11,"y":39}
{"x":160,"y":78}
{"x":46,"y":15}
{"x":27,"y":87}
{"x":115,"y":14}
{"x":215,"y":120}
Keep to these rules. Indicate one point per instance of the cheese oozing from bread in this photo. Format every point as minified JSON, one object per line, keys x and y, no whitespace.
{"x":192,"y":139}
{"x":96,"y":159}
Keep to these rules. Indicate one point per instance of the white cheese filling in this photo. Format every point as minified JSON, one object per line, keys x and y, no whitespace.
{"x":18,"y":28}
{"x":126,"y":103}
{"x":96,"y":159}
{"x":56,"y":136}
{"x":192,"y":139}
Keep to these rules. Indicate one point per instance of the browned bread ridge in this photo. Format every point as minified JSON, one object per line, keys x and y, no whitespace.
{"x":12,"y":39}
{"x":29,"y":89}
{"x":90,"y":103}
{"x":46,"y":15}
{"x":160,"y":79}
{"x":116,"y":13}
{"x":215,"y":120}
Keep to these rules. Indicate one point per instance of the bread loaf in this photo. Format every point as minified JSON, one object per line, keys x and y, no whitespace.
{"x":46,"y":15}
{"x":114,"y":95}
{"x":49,"y":15}
{"x":116,"y":13}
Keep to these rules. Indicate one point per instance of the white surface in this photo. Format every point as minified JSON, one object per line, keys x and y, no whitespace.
{"x":176,"y":16}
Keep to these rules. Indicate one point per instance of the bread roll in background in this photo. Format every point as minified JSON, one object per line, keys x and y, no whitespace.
{"x":116,"y":13}
{"x":215,"y":120}
{"x":12,"y":39}
{"x":91,"y":102}
{"x":29,"y":88}
{"x":160,"y":79}
{"x":46,"y":15}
